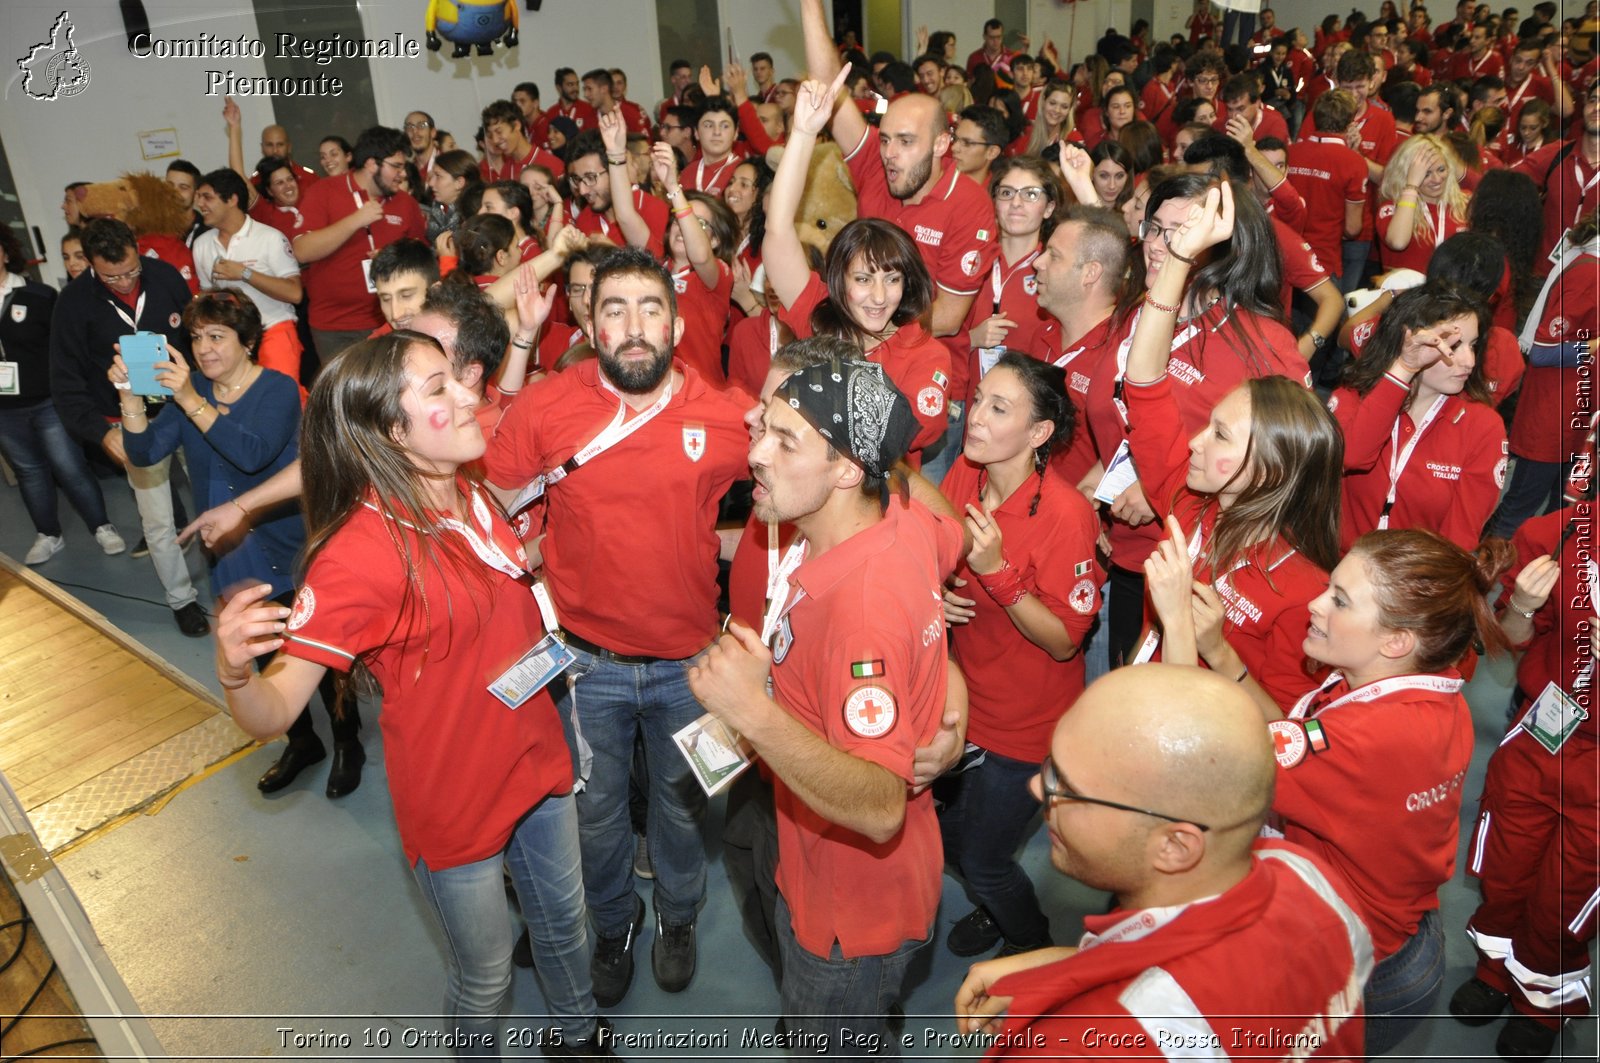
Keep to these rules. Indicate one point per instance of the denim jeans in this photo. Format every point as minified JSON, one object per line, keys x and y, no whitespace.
{"x":834,"y":1006}
{"x":988,"y":811}
{"x":944,"y":454}
{"x":152,"y":490}
{"x":1535,"y":488}
{"x":470,"y":905}
{"x":1237,"y":28}
{"x":34,"y":441}
{"x":1353,"y":265}
{"x":609,"y":704}
{"x":1405,"y":987}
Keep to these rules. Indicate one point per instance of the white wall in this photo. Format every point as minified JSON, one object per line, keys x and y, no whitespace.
{"x":771,"y":26}
{"x":573,"y":33}
{"x":1079,"y":25}
{"x":93,"y":136}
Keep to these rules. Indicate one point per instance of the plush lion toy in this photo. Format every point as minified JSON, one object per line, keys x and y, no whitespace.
{"x":152,"y":209}
{"x":829,"y":201}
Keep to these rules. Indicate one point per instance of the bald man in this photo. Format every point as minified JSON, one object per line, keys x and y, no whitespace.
{"x":275,"y":145}
{"x":1222,"y":943}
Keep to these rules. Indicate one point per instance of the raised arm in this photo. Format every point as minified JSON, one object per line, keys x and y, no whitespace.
{"x":614,"y":134}
{"x":781,"y":251}
{"x":230,"y":115}
{"x":696,"y":241}
{"x":822,"y":63}
{"x":264,"y":704}
{"x":1209,"y":223}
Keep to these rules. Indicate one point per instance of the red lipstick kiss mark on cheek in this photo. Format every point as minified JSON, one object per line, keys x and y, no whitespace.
{"x":438,"y":419}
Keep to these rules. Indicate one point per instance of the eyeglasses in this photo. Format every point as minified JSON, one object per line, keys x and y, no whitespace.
{"x":418,"y":125}
{"x":671,"y":128}
{"x":401,"y":165}
{"x":578,"y":290}
{"x":1029,"y":194}
{"x":1054,"y":786}
{"x":1149,"y":230}
{"x":968,"y":142}
{"x":120,"y":278}
{"x":584,"y":180}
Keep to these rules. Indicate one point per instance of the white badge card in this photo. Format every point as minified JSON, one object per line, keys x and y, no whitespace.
{"x":10,"y":379}
{"x":987,"y":357}
{"x":1553,"y":717}
{"x":366,"y":273}
{"x":716,"y":753}
{"x":1120,"y":475}
{"x":548,"y":659}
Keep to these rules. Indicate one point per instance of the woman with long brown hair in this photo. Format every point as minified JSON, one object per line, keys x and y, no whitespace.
{"x":414,"y":580}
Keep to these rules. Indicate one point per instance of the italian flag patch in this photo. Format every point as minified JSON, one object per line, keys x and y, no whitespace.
{"x":1316,"y":736}
{"x":866,"y":669}
{"x":940,"y":379}
{"x":1081,"y":568}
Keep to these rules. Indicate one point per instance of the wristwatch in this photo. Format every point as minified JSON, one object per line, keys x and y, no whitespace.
{"x":1317,"y":338}
{"x":248,"y":273}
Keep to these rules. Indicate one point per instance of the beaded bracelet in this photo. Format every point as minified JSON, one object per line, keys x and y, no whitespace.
{"x":1004,"y":585}
{"x":1165,"y":309}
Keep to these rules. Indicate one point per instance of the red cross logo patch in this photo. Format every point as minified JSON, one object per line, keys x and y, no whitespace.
{"x":694,"y":443}
{"x":870,"y":711}
{"x":305,"y":603}
{"x":1288,"y":742}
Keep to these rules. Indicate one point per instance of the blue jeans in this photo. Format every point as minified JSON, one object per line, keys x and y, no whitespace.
{"x":1353,"y":265}
{"x":1535,"y":488}
{"x":834,"y":1006}
{"x":34,"y":441}
{"x":469,"y":902}
{"x":1237,"y":28}
{"x":987,"y":813}
{"x":945,"y":453}
{"x":1405,"y":987}
{"x":609,"y":704}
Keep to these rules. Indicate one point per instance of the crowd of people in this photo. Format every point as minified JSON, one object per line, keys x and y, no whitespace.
{"x":1184,"y":419}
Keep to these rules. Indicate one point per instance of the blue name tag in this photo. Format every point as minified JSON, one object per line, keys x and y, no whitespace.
{"x":532,"y":672}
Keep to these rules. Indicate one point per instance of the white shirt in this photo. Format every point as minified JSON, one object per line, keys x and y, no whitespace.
{"x":260,"y":247}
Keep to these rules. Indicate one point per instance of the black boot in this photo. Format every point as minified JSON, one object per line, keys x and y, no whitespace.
{"x":300,"y":754}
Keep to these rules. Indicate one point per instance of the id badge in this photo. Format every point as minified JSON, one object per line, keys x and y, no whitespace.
{"x":548,"y":659}
{"x":716,"y":753}
{"x":10,"y":379}
{"x":1119,"y":476}
{"x":366,"y":272}
{"x":987,"y":357}
{"x":1553,"y":718}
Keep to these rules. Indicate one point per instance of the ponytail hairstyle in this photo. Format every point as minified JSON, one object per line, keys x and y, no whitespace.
{"x":1293,"y":464}
{"x":1429,"y":586}
{"x":1046,"y":386}
{"x":481,"y":239}
{"x":1422,"y":307}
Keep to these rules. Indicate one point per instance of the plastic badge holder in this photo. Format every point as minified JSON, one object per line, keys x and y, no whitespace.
{"x":140,"y":353}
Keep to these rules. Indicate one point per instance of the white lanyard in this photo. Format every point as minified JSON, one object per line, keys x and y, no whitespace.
{"x":611,"y":435}
{"x":778,"y":576}
{"x":1400,"y":457}
{"x":481,"y":539}
{"x":1522,"y":90}
{"x":772,"y":334}
{"x":138,"y":310}
{"x":744,"y":245}
{"x":349,"y":183}
{"x":605,"y":227}
{"x":1222,"y":584}
{"x":700,"y":173}
{"x":998,"y":282}
{"x":1584,"y":187}
{"x":1373,"y":691}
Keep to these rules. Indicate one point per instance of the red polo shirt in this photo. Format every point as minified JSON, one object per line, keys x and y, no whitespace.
{"x":1452,"y":480}
{"x":953,"y":225}
{"x":917,"y":364}
{"x":340,"y":301}
{"x":1553,"y":413}
{"x":1466,"y":68}
{"x":864,"y":669}
{"x":701,"y":176}
{"x":1014,"y":287}
{"x":287,"y":220}
{"x":557,"y":340}
{"x":511,"y":169}
{"x":463,"y":769}
{"x":1077,"y":359}
{"x":705,"y":320}
{"x":1301,"y":268}
{"x":1266,"y":599}
{"x":1328,"y":175}
{"x":1016,"y":691}
{"x":1559,"y":650}
{"x":655,"y":213}
{"x":1381,"y":801}
{"x":630,"y":549}
{"x":748,"y":571}
{"x":1571,"y":188}
{"x":581,"y":113}
{"x":1420,"y":250}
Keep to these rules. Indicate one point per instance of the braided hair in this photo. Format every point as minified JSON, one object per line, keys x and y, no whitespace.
{"x":1046,"y":386}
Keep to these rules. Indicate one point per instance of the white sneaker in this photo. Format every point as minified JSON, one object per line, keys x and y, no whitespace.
{"x":106,"y":535}
{"x":44,"y":548}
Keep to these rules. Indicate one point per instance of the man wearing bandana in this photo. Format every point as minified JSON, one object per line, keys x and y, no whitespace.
{"x":854,"y":639}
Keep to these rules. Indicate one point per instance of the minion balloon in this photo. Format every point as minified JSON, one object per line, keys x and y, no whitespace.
{"x":471,"y":22}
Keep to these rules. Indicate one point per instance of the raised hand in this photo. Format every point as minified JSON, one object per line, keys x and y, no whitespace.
{"x":614,"y":133}
{"x":533,"y":305}
{"x":985,"y":556}
{"x":708,"y":84}
{"x":1169,"y":576}
{"x":1534,"y":583}
{"x":664,"y":165}
{"x":230,"y":112}
{"x":1422,"y":347}
{"x":247,"y":627}
{"x":1210,"y":222}
{"x":813,"y":104}
{"x":737,"y":82}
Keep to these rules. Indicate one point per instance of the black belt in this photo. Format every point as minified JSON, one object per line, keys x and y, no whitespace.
{"x":581,"y":643}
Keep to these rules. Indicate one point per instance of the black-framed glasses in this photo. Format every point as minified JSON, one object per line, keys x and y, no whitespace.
{"x":1054,"y":785}
{"x":1029,"y":194}
{"x":585,"y":180}
{"x":1149,"y":230}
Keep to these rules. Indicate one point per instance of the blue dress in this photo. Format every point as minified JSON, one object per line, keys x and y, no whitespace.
{"x":259,"y":435}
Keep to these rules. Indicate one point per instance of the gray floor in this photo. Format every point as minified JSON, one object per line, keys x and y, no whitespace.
{"x":290,"y":928}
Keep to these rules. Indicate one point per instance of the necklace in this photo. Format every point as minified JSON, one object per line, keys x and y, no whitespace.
{"x":223,"y":390}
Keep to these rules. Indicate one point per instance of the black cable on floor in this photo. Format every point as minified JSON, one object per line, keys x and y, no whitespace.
{"x":34,"y":1052}
{"x":22,"y":1012}
{"x":125,"y":597}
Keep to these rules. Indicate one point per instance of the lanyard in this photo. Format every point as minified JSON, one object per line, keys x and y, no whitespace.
{"x":482,"y":539}
{"x":1222,"y":584}
{"x":700,"y":173}
{"x":1400,"y":457}
{"x":1584,"y":187}
{"x":1439,"y":684}
{"x":349,"y":183}
{"x":611,"y":435}
{"x":772,"y":334}
{"x":1522,"y":90}
{"x":998,"y":281}
{"x":138,"y":310}
{"x":778,"y":575}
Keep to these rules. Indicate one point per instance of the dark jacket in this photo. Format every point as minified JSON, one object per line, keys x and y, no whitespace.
{"x":25,"y":339}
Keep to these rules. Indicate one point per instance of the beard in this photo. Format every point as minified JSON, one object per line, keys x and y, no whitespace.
{"x":913,"y":179}
{"x":636,"y":378}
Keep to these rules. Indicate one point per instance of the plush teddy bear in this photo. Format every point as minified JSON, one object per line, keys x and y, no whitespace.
{"x":829,"y":201}
{"x":152,"y":209}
